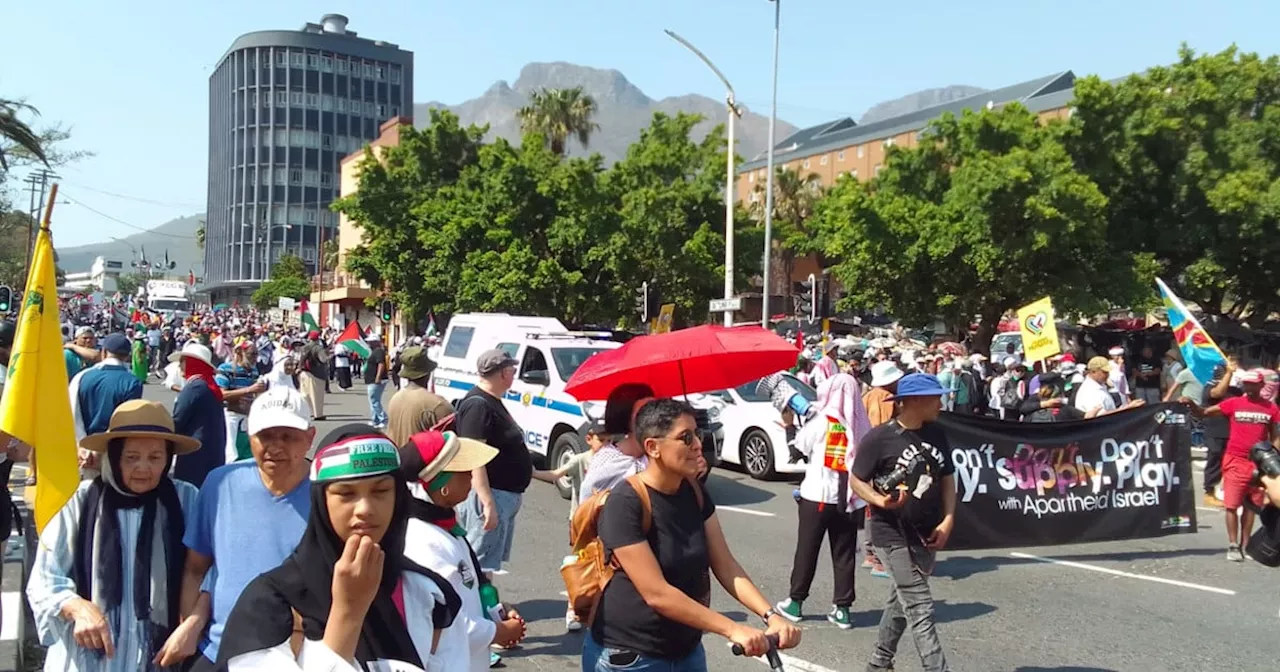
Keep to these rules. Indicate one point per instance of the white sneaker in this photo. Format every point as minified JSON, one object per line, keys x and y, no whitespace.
{"x":1234,"y":554}
{"x":571,"y":622}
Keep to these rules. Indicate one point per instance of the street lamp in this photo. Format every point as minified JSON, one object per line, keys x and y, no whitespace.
{"x":734,"y":111}
{"x":768,"y":195}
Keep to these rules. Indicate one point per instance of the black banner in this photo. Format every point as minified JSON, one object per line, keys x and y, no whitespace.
{"x":1120,"y":476}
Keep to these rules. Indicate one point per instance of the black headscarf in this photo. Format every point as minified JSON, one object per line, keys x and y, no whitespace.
{"x":106,"y":496}
{"x":263,"y":616}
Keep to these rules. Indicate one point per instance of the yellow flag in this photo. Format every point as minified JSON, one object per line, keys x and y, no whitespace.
{"x":36,"y":407}
{"x":1039,"y":331}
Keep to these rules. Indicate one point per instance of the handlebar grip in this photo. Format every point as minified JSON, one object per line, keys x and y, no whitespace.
{"x":739,"y":651}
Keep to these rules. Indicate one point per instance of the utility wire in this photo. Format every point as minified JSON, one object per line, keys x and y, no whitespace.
{"x":121,"y":221}
{"x":139,"y":199}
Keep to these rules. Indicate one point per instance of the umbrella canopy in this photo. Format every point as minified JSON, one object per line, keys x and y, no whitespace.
{"x":700,"y":359}
{"x":952,"y":349}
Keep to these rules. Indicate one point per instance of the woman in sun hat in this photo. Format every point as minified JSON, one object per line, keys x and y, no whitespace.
{"x":108,"y":571}
{"x":438,"y":467}
{"x":347,"y":593}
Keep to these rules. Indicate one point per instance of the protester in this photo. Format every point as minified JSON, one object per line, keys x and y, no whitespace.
{"x":315,"y":375}
{"x":489,"y":514}
{"x":1251,"y":419}
{"x":654,"y":611}
{"x":438,"y":467}
{"x":1224,"y":385}
{"x":360,"y":514}
{"x":249,"y":517}
{"x":825,"y":508}
{"x":342,"y":366}
{"x":375,"y":379}
{"x":415,"y":408}
{"x":1118,"y":375}
{"x":85,"y":339}
{"x":283,"y":373}
{"x":622,"y":455}
{"x":198,"y":413}
{"x":1147,"y":372}
{"x":909,"y":525}
{"x":240,"y":384}
{"x":879,"y":399}
{"x":104,"y":587}
{"x":1050,"y":403}
{"x":97,"y":391}
{"x":1094,"y":398}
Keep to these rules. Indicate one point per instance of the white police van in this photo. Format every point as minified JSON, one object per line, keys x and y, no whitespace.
{"x":547,"y":355}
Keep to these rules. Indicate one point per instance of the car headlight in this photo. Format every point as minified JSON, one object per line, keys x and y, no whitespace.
{"x":593,"y":409}
{"x":713,"y":413}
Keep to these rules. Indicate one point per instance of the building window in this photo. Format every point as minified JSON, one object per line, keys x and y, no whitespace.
{"x":297,"y":59}
{"x":326,"y":141}
{"x":295,"y":214}
{"x":395,"y":110}
{"x":341,"y":104}
{"x":326,"y":63}
{"x":277,"y":214}
{"x":380,"y":72}
{"x":859,"y":151}
{"x":751,"y":177}
{"x":296,"y":137}
{"x":367,"y":70}
{"x":297,"y":98}
{"x":276,"y":253}
{"x":265,"y":136}
{"x":282,"y":58}
{"x":326,"y":102}
{"x":382,"y":112}
{"x":840,"y":156}
{"x":877,"y":170}
{"x":311,"y":216}
{"x":281,"y":137}
{"x":395,"y":75}
{"x":282,"y":98}
{"x":805,"y":165}
{"x":266,"y":175}
{"x":295,"y":176}
{"x":313,"y":61}
{"x":342,"y":66}
{"x":326,"y":179}
{"x":311,"y":178}
{"x":313,"y":100}
{"x":369,"y":109}
{"x":309,"y":254}
{"x":823,"y":160}
{"x":281,"y":177}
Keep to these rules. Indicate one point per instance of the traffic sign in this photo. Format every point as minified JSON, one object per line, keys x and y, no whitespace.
{"x":724,"y":305}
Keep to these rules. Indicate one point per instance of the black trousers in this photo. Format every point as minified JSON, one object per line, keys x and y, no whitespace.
{"x":841,"y":529}
{"x":1213,"y":463}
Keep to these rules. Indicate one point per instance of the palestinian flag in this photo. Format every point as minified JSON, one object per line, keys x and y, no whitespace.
{"x":431,"y":324}
{"x":308,"y":320}
{"x":352,"y":339}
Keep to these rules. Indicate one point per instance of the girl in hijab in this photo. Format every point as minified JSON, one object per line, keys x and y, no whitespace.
{"x":438,"y":467}
{"x":105,"y":585}
{"x":347,"y":593}
{"x":826,"y":505}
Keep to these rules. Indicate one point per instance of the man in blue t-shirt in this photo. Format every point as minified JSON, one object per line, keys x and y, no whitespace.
{"x":249,"y":517}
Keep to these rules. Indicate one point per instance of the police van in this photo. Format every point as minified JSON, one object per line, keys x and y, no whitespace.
{"x":547,"y":355}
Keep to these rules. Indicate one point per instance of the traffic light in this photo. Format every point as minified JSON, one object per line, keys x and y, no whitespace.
{"x":388,"y":310}
{"x":6,"y":300}
{"x":642,"y":302}
{"x":824,"y":295}
{"x":653,"y":302}
{"x":809,"y":297}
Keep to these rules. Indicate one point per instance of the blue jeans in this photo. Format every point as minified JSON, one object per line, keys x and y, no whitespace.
{"x":377,"y":415}
{"x":595,"y":658}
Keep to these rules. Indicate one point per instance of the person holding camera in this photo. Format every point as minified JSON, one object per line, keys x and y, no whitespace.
{"x":903,"y":470}
{"x":1251,"y":418}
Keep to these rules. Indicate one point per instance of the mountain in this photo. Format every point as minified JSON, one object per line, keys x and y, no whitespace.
{"x":918,"y":101}
{"x":622,"y":110}
{"x":177,"y":237}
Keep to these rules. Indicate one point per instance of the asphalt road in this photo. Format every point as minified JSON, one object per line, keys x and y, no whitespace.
{"x":1172,"y":603}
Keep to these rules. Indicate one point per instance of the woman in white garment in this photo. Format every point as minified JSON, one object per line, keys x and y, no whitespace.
{"x":349,"y":566}
{"x":826,"y":505}
{"x":438,"y":467}
{"x":105,"y":584}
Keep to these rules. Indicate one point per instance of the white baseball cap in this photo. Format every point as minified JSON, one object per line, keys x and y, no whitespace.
{"x":279,"y":407}
{"x":885,"y":373}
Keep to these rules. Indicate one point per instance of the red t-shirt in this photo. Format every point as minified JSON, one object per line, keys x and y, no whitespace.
{"x":1250,"y":421}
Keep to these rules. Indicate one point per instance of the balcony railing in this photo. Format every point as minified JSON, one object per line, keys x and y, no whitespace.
{"x":336,"y":280}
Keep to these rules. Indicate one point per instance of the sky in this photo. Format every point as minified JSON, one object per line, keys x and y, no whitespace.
{"x":130,"y":78}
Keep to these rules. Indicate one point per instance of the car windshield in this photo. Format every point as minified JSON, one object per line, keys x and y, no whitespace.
{"x":168,"y":304}
{"x":569,"y":359}
{"x":748,"y":390}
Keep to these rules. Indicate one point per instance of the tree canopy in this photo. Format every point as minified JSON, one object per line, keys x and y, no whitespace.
{"x":559,"y":114}
{"x":452,"y":224}
{"x":288,"y":279}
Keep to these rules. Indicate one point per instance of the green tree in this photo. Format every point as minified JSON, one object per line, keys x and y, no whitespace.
{"x":128,"y":283}
{"x":200,"y":235}
{"x":1188,"y":157}
{"x":288,"y":279}
{"x":987,"y":214}
{"x":557,"y":115}
{"x":794,"y":198}
{"x":17,"y":133}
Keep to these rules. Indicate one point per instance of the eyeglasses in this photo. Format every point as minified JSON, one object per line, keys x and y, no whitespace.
{"x":687,"y":437}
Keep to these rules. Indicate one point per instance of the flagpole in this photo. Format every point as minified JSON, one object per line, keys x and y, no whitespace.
{"x":48,"y":208}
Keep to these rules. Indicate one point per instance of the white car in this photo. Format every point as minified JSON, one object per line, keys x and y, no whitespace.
{"x":753,"y":433}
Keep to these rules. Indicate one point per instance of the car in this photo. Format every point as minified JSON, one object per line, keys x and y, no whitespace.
{"x":753,"y":435}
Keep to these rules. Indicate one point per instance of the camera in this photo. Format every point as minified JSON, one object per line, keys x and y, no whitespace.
{"x":890,"y":482}
{"x":1265,"y":458}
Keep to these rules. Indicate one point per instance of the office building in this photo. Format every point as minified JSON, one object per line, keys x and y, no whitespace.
{"x":284,"y":108}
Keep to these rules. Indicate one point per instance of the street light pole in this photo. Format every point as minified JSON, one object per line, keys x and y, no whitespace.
{"x":768,"y":194}
{"x":734,"y":111}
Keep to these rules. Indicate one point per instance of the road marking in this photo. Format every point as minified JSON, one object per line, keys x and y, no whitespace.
{"x":796,"y":664}
{"x":12,"y":610}
{"x":749,"y":512}
{"x":1128,"y":575}
{"x":500,"y":572}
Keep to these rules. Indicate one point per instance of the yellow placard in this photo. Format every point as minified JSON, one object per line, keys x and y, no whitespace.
{"x":664,"y":318}
{"x":1039,"y":333}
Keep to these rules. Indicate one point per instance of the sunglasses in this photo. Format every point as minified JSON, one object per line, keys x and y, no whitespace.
{"x":688,"y":437}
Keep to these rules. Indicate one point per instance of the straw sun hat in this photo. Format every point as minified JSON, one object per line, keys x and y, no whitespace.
{"x":142,"y":419}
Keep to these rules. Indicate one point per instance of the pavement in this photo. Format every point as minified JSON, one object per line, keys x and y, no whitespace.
{"x":1172,"y":603}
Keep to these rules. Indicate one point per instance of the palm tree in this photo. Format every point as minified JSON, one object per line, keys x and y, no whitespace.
{"x":558,"y":114}
{"x":329,"y":255}
{"x":17,"y":134}
{"x":794,"y":197}
{"x":200,"y":236}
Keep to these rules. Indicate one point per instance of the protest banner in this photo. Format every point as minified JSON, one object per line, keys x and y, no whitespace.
{"x":1120,"y":476}
{"x":1039,"y":331}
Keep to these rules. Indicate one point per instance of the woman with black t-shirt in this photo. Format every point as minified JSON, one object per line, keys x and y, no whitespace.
{"x":655,"y":609}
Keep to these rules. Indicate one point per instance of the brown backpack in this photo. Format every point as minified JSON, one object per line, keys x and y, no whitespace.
{"x":591,"y":569}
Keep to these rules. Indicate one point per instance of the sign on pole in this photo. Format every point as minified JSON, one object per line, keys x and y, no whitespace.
{"x":1039,"y":333}
{"x":663,"y":323}
{"x":286,"y":303}
{"x":724,"y":305}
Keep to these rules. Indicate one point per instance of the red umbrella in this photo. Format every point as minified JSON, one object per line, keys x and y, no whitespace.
{"x":700,"y":359}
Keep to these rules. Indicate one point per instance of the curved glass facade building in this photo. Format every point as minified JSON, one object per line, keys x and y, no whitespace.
{"x":284,"y":108}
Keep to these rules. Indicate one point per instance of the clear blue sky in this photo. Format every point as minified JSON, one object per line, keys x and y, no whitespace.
{"x":131,"y":77}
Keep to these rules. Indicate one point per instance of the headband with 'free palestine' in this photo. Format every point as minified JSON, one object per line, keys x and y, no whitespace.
{"x":355,"y":457}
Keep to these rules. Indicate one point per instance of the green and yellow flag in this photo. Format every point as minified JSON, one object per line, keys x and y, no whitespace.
{"x":36,"y":408}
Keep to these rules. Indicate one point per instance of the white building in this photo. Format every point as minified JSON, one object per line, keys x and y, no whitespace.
{"x":101,"y":277}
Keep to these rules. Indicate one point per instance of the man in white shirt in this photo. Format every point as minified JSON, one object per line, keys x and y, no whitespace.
{"x":1117,"y":377}
{"x":1094,"y":398}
